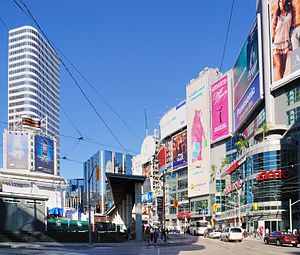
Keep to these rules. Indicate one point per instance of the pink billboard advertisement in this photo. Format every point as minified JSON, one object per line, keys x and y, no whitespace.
{"x":219,"y":109}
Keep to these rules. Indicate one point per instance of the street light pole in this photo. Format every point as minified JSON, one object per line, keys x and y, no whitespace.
{"x":89,"y":202}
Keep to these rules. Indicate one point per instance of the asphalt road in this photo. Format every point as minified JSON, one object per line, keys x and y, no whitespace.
{"x":177,"y":244}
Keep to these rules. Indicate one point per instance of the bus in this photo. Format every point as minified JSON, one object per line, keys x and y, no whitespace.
{"x":198,"y":227}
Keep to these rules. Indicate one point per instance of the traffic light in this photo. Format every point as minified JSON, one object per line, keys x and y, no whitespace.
{"x":98,"y":208}
{"x":175,"y":203}
{"x":97,"y":173}
{"x":215,"y":207}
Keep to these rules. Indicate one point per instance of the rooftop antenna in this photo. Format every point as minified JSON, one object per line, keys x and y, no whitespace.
{"x":146,"y":124}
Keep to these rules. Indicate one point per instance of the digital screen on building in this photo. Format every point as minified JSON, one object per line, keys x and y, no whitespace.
{"x":246,"y":78}
{"x":147,"y":198}
{"x":17,"y":150}
{"x":179,"y":149}
{"x":44,"y":155}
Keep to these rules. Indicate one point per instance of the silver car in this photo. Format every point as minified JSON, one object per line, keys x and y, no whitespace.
{"x":232,"y":234}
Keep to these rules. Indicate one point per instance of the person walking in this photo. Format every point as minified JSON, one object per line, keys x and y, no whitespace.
{"x":128,"y":234}
{"x":147,"y":235}
{"x":155,"y":236}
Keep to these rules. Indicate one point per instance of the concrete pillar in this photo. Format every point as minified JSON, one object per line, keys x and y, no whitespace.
{"x":123,"y":212}
{"x":138,"y":212}
{"x":128,"y":209}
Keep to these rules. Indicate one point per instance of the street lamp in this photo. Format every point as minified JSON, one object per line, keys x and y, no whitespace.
{"x":239,"y":203}
{"x":89,"y":201}
{"x":291,"y":219}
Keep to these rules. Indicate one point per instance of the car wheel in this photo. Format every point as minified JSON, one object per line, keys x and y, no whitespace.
{"x":278,"y":242}
{"x":240,"y":241}
{"x":266,"y":241}
{"x":295,"y":245}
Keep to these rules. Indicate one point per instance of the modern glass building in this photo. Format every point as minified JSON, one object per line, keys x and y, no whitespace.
{"x":33,"y":82}
{"x":108,"y":162}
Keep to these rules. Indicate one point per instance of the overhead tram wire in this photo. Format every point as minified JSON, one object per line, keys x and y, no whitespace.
{"x":73,"y":78}
{"x":227,"y":34}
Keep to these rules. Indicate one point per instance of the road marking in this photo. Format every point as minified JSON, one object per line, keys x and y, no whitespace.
{"x":158,"y":250}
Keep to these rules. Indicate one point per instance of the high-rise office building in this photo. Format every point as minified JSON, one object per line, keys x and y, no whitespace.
{"x":34,"y":82}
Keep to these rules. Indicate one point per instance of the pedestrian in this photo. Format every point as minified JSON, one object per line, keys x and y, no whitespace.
{"x":155,"y":236}
{"x":128,"y":234}
{"x":147,"y":235}
{"x":151,"y":233}
{"x":267,"y":231}
{"x":163,"y":235}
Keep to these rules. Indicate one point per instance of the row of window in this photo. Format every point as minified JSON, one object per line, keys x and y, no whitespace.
{"x":38,"y":54}
{"x":44,"y":101}
{"x":39,"y":90}
{"x":39,"y":73}
{"x":44,"y":83}
{"x":39,"y":60}
{"x":42,"y":44}
{"x":39,"y":66}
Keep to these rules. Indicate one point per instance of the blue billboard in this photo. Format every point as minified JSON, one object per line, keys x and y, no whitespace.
{"x":147,"y":198}
{"x":44,"y":155}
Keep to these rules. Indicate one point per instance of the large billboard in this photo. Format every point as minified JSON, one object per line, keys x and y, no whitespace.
{"x":17,"y":150}
{"x":198,"y":133}
{"x":44,"y":155}
{"x":246,"y":78}
{"x":284,"y":23}
{"x":220,"y":123}
{"x":179,"y":149}
{"x":173,"y":120}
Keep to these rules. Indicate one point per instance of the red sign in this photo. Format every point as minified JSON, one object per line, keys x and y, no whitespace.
{"x":233,"y":167}
{"x":273,"y":174}
{"x":162,"y":158}
{"x":234,"y":186}
{"x":182,"y":215}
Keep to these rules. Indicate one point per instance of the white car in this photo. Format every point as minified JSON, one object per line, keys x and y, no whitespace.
{"x":232,"y":234}
{"x":216,"y":233}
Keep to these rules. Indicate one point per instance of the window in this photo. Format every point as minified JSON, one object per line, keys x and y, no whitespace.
{"x":182,"y":184}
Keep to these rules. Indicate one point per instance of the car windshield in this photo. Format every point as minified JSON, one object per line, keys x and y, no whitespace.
{"x":236,"y":230}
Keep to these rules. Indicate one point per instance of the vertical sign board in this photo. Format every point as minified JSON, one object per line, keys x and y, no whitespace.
{"x":246,"y":79}
{"x":220,"y":123}
{"x":17,"y":150}
{"x":198,"y":133}
{"x":284,"y":24}
{"x":179,"y":149}
{"x":44,"y":155}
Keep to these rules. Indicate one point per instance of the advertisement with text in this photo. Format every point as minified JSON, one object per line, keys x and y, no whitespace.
{"x":220,"y":109}
{"x":17,"y":150}
{"x":179,"y":149}
{"x":44,"y":155}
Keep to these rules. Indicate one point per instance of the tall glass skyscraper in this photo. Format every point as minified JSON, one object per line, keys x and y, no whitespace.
{"x":33,"y":82}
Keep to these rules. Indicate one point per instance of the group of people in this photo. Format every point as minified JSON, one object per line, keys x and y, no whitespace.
{"x":285,"y":32}
{"x":151,"y":234}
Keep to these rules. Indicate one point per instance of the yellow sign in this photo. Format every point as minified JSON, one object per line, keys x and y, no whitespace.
{"x":215,"y":207}
{"x":176,"y":203}
{"x":212,"y":223}
{"x":255,"y":206}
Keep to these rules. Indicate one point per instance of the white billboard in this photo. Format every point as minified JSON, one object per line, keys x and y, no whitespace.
{"x":198,"y":133}
{"x":173,"y":120}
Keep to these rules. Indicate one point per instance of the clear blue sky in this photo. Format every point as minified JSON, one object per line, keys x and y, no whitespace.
{"x":138,"y":54}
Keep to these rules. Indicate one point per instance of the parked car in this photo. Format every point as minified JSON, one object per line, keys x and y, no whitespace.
{"x":232,"y":234}
{"x":207,"y":231}
{"x":281,"y":237}
{"x":215,"y":233}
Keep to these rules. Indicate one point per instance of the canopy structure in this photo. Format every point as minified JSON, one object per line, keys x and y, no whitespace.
{"x":127,"y":192}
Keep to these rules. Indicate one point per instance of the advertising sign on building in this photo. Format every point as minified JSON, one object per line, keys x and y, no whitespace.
{"x":147,"y":169}
{"x":179,"y":150}
{"x":17,"y":150}
{"x":220,"y":124}
{"x":246,"y":78}
{"x":198,"y":133}
{"x":147,"y":198}
{"x":173,"y":120}
{"x":44,"y":155}
{"x":284,"y":23}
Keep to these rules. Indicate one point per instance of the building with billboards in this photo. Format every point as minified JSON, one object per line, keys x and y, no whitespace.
{"x":172,"y":158}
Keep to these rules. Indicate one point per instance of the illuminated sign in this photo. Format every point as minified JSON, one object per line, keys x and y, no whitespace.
{"x":233,"y":167}
{"x":234,"y":186}
{"x":31,"y":122}
{"x":273,"y":174}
